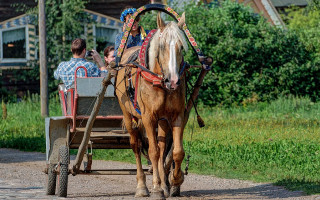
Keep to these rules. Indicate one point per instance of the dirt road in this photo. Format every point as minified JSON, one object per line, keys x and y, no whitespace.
{"x":21,"y":177}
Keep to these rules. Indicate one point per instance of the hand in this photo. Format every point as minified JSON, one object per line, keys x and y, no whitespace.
{"x":97,"y":58}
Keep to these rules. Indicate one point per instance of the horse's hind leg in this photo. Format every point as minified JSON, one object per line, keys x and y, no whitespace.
{"x":176,"y":177}
{"x":142,"y":190}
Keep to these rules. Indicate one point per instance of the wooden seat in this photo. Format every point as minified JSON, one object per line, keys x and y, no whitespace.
{"x":87,"y":90}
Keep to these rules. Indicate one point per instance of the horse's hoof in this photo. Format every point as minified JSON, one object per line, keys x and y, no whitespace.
{"x":175,"y":191}
{"x":166,"y":192}
{"x":157,"y":195}
{"x":142,"y":192}
{"x":178,"y":181}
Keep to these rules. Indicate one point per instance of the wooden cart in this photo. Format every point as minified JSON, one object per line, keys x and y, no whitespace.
{"x":76,"y":130}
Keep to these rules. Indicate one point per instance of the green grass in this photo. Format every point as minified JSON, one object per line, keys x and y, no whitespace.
{"x":24,"y":127}
{"x":276,"y":142}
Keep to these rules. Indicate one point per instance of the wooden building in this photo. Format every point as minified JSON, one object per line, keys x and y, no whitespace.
{"x":281,"y":5}
{"x":267,"y":9}
{"x":19,"y":37}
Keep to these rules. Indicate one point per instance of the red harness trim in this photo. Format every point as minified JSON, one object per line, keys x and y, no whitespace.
{"x":155,"y":80}
{"x":143,"y":50}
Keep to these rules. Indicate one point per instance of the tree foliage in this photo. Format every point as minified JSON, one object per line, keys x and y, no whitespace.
{"x":306,"y":23}
{"x":65,"y":21}
{"x":253,"y":61}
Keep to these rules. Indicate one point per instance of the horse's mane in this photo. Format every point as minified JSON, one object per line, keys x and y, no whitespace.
{"x":169,"y":33}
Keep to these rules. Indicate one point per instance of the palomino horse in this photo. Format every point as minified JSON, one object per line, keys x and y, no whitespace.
{"x":162,"y":107}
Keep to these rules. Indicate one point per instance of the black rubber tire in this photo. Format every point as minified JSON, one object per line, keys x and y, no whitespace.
{"x":63,"y":175}
{"x":52,"y":178}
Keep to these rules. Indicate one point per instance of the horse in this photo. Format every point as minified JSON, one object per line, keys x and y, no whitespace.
{"x":161,"y":107}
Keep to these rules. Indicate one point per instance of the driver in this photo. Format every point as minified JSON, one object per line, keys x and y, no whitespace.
{"x":137,"y":34}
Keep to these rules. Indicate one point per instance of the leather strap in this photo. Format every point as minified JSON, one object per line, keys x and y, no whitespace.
{"x":155,"y":79}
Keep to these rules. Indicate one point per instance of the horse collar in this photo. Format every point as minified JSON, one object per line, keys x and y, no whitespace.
{"x":143,"y":49}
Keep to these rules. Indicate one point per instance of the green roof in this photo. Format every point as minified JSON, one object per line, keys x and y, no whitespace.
{"x":286,"y":3}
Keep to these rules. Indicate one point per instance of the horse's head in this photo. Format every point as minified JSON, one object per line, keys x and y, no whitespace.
{"x":165,"y":55}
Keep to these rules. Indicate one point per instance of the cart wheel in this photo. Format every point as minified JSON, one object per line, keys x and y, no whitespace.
{"x":63,"y":175}
{"x":52,"y":177}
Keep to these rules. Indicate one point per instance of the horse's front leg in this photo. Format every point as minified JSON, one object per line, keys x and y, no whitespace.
{"x":163,"y":129}
{"x":176,"y":177}
{"x":154,"y":154}
{"x":142,"y":190}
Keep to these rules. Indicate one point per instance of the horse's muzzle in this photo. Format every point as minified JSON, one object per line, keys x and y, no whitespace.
{"x":171,"y":84}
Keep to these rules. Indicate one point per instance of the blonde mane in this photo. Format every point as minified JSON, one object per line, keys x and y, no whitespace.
{"x":171,"y":32}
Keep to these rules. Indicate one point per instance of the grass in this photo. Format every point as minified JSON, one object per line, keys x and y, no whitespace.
{"x":24,"y":127}
{"x":276,"y":142}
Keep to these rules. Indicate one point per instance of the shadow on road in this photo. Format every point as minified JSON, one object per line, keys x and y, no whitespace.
{"x":265,"y":191}
{"x":103,"y":195}
{"x":310,"y":187}
{"x":9,"y":156}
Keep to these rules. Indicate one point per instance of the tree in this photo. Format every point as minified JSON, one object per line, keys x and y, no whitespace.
{"x":65,"y":20}
{"x":306,"y":23}
{"x":252,"y":59}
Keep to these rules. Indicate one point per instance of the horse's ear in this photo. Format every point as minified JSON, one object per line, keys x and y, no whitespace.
{"x":182,"y":20}
{"x":160,"y":22}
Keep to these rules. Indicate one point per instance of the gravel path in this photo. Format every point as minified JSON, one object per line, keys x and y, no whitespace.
{"x":21,"y":177}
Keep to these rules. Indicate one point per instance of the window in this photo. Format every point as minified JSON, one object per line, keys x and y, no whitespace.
{"x":105,"y":37}
{"x":14,"y":43}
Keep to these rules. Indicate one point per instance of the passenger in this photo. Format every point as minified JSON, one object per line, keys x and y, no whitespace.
{"x":65,"y":70}
{"x":108,"y":58}
{"x":137,"y":34}
{"x":108,"y":55}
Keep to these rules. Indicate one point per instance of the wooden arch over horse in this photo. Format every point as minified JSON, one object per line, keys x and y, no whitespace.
{"x":157,"y":78}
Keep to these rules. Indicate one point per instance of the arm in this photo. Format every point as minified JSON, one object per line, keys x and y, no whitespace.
{"x":57,"y":72}
{"x":117,"y":43}
{"x":97,"y":58}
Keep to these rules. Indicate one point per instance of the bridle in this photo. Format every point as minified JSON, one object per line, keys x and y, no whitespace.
{"x":145,"y":72}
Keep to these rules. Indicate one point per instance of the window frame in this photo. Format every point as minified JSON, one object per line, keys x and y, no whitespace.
{"x":13,"y":60}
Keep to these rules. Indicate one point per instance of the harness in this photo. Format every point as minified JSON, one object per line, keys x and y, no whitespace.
{"x":156,"y":79}
{"x":153,"y":78}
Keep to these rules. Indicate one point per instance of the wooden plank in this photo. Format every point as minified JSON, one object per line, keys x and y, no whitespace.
{"x":109,"y":106}
{"x":113,"y":172}
{"x":115,"y":123}
{"x":104,"y":146}
{"x":107,"y":134}
{"x":104,"y":130}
